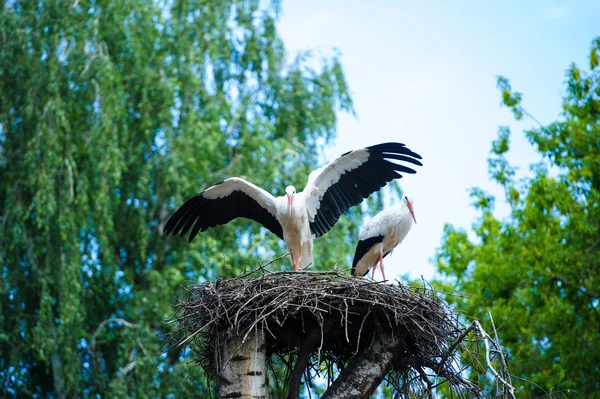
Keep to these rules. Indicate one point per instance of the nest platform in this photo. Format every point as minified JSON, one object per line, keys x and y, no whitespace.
{"x":345,"y":314}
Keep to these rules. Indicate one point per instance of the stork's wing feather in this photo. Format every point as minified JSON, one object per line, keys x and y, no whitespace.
{"x":221,"y":204}
{"x":346,"y":181}
{"x":362,"y":248}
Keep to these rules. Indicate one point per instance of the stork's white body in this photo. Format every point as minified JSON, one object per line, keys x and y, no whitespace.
{"x":296,"y":229}
{"x":380,"y":236}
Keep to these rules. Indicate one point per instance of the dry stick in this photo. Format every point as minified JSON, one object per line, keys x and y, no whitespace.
{"x":485,"y":336}
{"x":256,"y":296}
{"x":427,"y":382}
{"x":546,"y":393}
{"x":307,"y":267}
{"x":276,"y":259}
{"x":456,"y":342}
{"x":295,"y":274}
{"x":323,"y":330}
{"x":459,"y":372}
{"x":261,"y":267}
{"x":360,"y":330}
{"x":497,"y":343}
{"x":345,"y":318}
{"x":192,"y":335}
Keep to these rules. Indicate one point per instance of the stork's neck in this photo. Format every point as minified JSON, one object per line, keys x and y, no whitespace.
{"x":291,"y":211}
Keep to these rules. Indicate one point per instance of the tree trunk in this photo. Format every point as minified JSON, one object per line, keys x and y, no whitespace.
{"x":57,"y":375}
{"x":242,"y":367}
{"x":366,"y":370}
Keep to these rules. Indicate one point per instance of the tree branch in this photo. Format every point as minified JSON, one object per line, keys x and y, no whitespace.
{"x":303,"y":355}
{"x":122,"y":322}
{"x":366,"y":370}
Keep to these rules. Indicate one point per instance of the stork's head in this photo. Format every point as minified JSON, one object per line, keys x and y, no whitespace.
{"x":409,"y":203}
{"x":290,"y":192}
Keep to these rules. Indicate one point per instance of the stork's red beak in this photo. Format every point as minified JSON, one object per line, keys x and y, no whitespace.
{"x":412,"y":211}
{"x":290,"y":199}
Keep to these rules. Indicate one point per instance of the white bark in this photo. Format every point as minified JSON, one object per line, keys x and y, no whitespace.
{"x":242,"y":368}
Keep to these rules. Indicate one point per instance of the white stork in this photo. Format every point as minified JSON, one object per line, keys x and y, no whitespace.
{"x":297,"y":217}
{"x":381,"y":235}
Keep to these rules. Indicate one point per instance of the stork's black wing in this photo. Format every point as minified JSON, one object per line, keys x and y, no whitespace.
{"x":222,"y":203}
{"x":346,"y":181}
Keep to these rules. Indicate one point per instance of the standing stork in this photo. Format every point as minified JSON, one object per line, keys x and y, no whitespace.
{"x":297,"y":217}
{"x":381,"y":235}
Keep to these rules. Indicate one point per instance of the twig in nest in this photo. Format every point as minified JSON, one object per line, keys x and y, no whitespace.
{"x":452,"y":347}
{"x":307,"y":267}
{"x":262,"y":267}
{"x":426,"y":380}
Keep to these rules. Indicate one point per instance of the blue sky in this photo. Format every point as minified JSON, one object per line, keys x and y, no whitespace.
{"x":423,"y":73}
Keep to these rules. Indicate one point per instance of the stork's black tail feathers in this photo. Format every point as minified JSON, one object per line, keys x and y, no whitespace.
{"x":362,"y":248}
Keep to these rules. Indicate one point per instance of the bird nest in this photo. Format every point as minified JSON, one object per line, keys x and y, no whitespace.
{"x":346,"y":312}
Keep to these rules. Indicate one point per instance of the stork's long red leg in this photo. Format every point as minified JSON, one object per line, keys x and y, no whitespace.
{"x":293,"y":261}
{"x":299,"y":259}
{"x":374,"y":268}
{"x":381,"y":267}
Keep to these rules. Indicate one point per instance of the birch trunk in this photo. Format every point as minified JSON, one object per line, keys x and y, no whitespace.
{"x":242,"y":368}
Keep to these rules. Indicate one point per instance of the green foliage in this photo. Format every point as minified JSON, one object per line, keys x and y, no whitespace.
{"x":511,"y":99}
{"x":112,"y":113}
{"x":539,"y":269}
